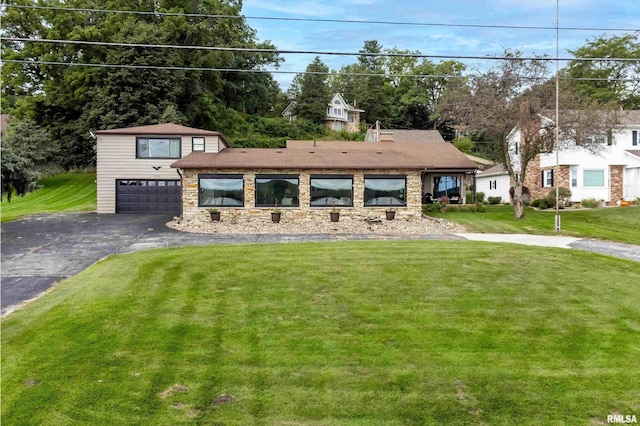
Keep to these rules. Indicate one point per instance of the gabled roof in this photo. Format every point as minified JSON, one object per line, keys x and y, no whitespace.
{"x":291,"y":109}
{"x":630,"y":118}
{"x":164,"y":129}
{"x":343,"y":102}
{"x":334,"y":155}
{"x":497,"y":169}
{"x":635,"y":152}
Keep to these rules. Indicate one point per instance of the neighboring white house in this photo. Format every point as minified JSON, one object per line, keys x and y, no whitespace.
{"x":612,"y":175}
{"x":340,"y":115}
{"x":494,"y":182}
{"x":134,"y":173}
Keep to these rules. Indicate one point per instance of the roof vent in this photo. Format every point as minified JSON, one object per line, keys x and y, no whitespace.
{"x":279,"y":151}
{"x":312,"y":152}
{"x":243,"y":151}
{"x":344,"y":152}
{"x":378,"y":152}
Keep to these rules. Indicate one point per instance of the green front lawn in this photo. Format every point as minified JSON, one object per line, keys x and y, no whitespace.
{"x":61,"y":193}
{"x":610,"y":223}
{"x":349,"y":333}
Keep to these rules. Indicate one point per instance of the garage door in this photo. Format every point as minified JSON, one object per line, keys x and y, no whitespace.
{"x":148,"y":196}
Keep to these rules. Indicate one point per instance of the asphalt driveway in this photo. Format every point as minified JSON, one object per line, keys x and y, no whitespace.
{"x":40,"y":250}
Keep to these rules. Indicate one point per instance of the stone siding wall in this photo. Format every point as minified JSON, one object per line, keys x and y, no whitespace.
{"x":413,"y":209}
{"x":533,"y":180}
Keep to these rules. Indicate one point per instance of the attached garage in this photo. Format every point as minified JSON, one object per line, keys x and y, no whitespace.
{"x":148,"y":196}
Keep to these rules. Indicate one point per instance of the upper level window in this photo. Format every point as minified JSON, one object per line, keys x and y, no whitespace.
{"x":197,"y":144}
{"x":220,"y":191}
{"x":385,"y":190}
{"x":337,"y":102}
{"x":280,"y":190}
{"x":151,"y":147}
{"x":331,"y":190}
{"x":634,"y":138}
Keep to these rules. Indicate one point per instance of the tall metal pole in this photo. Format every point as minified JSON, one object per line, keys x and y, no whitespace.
{"x":557,"y":141}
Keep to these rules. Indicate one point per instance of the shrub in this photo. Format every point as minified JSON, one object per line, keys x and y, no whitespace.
{"x":540,"y":203}
{"x":494,"y":200}
{"x":434,"y":207}
{"x":590,"y":203}
{"x":469,"y":196}
{"x":479,"y":197}
{"x":564,"y":197}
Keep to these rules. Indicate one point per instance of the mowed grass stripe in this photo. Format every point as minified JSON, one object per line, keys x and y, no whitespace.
{"x":67,"y":192}
{"x":417,"y":332}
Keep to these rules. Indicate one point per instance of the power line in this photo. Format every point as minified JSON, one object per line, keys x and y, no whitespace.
{"x":341,"y":21}
{"x":239,"y":70}
{"x":308,"y":52}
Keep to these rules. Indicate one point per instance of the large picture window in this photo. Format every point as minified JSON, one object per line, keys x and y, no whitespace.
{"x":221,"y":191}
{"x":385,"y":190}
{"x":280,"y":189}
{"x":157,"y":147}
{"x":593,"y":178}
{"x":331,"y":190}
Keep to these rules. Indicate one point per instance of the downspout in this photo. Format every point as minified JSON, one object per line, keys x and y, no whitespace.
{"x":181,"y":191}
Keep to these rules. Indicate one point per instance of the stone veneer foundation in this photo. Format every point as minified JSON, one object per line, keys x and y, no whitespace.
{"x":413,"y":209}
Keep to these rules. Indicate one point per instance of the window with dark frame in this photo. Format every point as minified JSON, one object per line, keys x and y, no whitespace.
{"x":385,"y":190}
{"x":634,"y":138}
{"x":331,"y":191}
{"x":220,"y":190}
{"x":277,"y":191}
{"x":197,"y":144}
{"x":157,"y":147}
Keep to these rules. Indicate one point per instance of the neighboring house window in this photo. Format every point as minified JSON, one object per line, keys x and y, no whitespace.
{"x":337,"y":126}
{"x":220,"y":191}
{"x":337,"y":102}
{"x":385,"y":190}
{"x":157,"y":147}
{"x":547,"y":178}
{"x":517,"y":177}
{"x":331,"y":190}
{"x":197,"y":144}
{"x":593,"y":178}
{"x":352,"y":118}
{"x":634,"y":138}
{"x":493,"y":184}
{"x":574,"y":178}
{"x":517,"y":148}
{"x":280,"y":189}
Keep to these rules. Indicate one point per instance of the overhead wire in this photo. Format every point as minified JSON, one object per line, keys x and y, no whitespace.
{"x":340,"y":21}
{"x":308,"y":52}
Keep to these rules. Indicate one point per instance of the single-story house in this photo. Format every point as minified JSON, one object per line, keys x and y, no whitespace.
{"x":494,"y":182}
{"x":134,"y":173}
{"x":310,"y":178}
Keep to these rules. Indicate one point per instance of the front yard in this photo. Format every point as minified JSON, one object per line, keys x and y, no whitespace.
{"x":610,"y":223}
{"x":357,"y":333}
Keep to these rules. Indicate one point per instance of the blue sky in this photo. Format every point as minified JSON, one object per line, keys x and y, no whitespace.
{"x":434,"y":40}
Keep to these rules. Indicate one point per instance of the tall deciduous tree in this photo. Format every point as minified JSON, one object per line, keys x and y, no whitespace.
{"x":314,"y":92}
{"x":617,"y":71}
{"x":26,"y":148}
{"x":511,"y":96}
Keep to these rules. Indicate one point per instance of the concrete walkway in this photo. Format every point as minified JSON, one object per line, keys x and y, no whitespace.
{"x":40,"y":250}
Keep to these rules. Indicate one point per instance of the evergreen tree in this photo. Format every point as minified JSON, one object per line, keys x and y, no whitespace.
{"x":314,"y":92}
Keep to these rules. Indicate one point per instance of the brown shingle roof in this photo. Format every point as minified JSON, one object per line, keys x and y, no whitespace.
{"x":333,"y":155}
{"x":630,"y":117}
{"x":160,"y":129}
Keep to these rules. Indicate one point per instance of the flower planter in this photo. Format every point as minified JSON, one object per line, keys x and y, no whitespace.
{"x":275,"y":217}
{"x":390,"y":215}
{"x":335,"y":216}
{"x":215,"y":217}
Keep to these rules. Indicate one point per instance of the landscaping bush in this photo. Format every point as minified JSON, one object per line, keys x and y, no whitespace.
{"x":469,"y":196}
{"x":480,"y":197}
{"x":433,"y":207}
{"x":590,"y":203}
{"x":540,"y":203}
{"x":494,"y":200}
{"x":564,"y":197}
